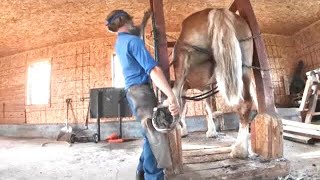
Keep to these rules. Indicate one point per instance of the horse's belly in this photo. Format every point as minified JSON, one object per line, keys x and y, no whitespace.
{"x":199,"y":76}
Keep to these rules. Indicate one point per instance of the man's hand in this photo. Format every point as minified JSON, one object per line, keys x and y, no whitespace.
{"x":161,"y":82}
{"x":174,"y":107}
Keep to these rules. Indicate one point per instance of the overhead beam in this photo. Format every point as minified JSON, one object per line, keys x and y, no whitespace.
{"x":260,"y":59}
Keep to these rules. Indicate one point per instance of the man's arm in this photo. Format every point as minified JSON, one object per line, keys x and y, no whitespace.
{"x":144,"y":58}
{"x":161,"y":82}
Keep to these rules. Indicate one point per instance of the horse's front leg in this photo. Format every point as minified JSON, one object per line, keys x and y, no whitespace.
{"x":181,"y":68}
{"x":184,"y":129}
{"x":211,"y":132}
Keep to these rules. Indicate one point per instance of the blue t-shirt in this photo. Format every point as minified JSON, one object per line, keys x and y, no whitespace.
{"x":135,"y":60}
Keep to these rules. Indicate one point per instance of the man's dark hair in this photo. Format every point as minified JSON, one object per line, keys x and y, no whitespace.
{"x":116,"y":19}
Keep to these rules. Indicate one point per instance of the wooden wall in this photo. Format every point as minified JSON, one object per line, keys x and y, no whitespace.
{"x":79,"y":66}
{"x":76,"y":67}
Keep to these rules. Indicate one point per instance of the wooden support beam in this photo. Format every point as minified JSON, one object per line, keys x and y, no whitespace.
{"x":266,"y":129}
{"x":233,"y":7}
{"x":162,"y":55}
{"x":160,"y":34}
{"x":262,"y":77}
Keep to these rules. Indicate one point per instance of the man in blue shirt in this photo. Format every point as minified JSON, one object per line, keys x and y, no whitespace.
{"x":138,"y":67}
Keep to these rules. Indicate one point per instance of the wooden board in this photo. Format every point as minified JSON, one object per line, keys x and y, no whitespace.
{"x":202,"y":152}
{"x":300,"y":125}
{"x":216,"y":163}
{"x":304,"y":132}
{"x":298,"y":138}
{"x":12,"y":120}
{"x":5,"y":107}
{"x":12,"y":114}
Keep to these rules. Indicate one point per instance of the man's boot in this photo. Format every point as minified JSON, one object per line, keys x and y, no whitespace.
{"x":139,"y":175}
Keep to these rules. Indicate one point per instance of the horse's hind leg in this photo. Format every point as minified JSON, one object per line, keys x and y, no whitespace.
{"x":211,"y":132}
{"x":240,"y":148}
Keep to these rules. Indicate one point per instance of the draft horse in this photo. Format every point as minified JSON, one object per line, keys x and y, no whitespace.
{"x":214,"y":50}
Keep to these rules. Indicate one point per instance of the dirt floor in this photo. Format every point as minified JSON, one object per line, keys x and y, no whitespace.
{"x":27,"y":159}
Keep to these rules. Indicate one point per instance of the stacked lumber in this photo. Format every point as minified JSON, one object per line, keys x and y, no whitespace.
{"x":301,"y":132}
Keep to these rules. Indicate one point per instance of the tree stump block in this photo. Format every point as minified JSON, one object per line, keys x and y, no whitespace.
{"x":267,"y":136}
{"x":176,"y":152}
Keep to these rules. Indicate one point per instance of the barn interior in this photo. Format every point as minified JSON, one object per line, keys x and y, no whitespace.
{"x":55,"y":51}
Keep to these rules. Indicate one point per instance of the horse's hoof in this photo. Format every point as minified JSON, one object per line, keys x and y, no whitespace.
{"x":238,"y":151}
{"x":184,"y":135}
{"x":211,"y":134}
{"x":184,"y":132}
{"x":252,"y":155}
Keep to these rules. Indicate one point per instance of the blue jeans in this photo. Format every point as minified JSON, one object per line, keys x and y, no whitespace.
{"x":142,"y":100}
{"x":148,"y":163}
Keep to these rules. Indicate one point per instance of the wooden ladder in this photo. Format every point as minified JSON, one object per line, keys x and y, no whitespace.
{"x":311,"y":94}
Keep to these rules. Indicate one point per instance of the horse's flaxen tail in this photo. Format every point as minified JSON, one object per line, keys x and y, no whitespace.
{"x":147,"y":14}
{"x":227,"y":55}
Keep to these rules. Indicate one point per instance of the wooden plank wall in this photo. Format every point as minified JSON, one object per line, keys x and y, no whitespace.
{"x":79,"y":66}
{"x":12,"y":113}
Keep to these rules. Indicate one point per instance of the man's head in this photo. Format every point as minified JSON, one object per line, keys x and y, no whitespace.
{"x":118,"y":18}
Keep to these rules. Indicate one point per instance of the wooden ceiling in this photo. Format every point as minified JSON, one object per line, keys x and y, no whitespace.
{"x":31,"y":24}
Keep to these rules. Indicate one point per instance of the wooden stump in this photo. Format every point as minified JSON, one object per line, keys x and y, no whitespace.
{"x":175,"y":151}
{"x":267,"y":136}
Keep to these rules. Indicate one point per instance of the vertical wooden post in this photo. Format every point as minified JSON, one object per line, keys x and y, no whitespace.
{"x":266,"y":130}
{"x":162,"y":55}
{"x":161,"y":38}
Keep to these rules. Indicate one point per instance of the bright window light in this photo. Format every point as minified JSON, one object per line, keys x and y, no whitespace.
{"x":117,"y":76}
{"x":39,"y":76}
